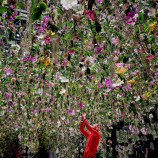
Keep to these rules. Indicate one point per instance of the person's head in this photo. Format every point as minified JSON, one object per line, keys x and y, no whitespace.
{"x":129,"y":140}
{"x":148,"y":137}
{"x":95,"y":126}
{"x":125,"y":144}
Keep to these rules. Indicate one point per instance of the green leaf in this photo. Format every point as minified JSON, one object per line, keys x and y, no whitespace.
{"x":18,"y":17}
{"x":54,"y":28}
{"x":3,"y":9}
{"x":70,"y":23}
{"x":137,"y":29}
{"x":43,"y":5}
{"x":37,"y":15}
{"x":68,"y":36}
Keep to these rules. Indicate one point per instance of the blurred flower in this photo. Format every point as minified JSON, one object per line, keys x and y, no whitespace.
{"x":90,"y":14}
{"x":8,"y":95}
{"x":119,"y":64}
{"x":70,"y":111}
{"x":4,"y":15}
{"x":44,"y":61}
{"x":117,"y":83}
{"x":115,"y":41}
{"x":108,"y":82}
{"x":148,"y":94}
{"x":150,"y":57}
{"x":100,"y":1}
{"x":67,"y":4}
{"x":86,"y":43}
{"x":130,"y":18}
{"x":130,"y":81}
{"x":144,"y":131}
{"x":121,"y":70}
{"x":71,"y":51}
{"x":46,"y":39}
{"x":11,"y":7}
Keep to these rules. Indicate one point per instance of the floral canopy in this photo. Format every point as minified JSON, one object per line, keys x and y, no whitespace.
{"x":62,"y":58}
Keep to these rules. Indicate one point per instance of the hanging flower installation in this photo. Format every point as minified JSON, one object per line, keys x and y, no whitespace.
{"x":61,"y":59}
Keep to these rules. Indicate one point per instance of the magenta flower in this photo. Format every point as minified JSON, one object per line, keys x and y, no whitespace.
{"x":71,"y":51}
{"x":70,"y":111}
{"x":130,"y":18}
{"x":100,"y":1}
{"x":108,"y":82}
{"x":150,"y":57}
{"x":46,"y":40}
{"x":80,"y":105}
{"x":90,"y":14}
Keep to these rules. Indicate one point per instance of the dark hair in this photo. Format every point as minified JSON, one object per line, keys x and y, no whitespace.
{"x":148,"y":136}
{"x":130,"y":140}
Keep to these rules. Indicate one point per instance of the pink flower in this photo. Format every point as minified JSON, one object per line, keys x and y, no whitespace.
{"x":119,"y":64}
{"x":144,"y":131}
{"x":100,"y":1}
{"x":46,"y":40}
{"x":115,"y":41}
{"x":11,"y":7}
{"x":150,"y":57}
{"x":71,"y":51}
{"x":8,"y":70}
{"x":108,"y":90}
{"x":116,"y":52}
{"x":89,"y":14}
{"x":70,"y":111}
{"x":47,"y":83}
{"x":100,"y":85}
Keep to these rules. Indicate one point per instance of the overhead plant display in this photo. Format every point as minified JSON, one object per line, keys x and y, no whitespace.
{"x":62,"y":58}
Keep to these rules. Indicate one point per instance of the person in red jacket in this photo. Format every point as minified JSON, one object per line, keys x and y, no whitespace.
{"x":93,"y":138}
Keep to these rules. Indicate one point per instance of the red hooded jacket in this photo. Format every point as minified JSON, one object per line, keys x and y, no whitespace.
{"x":92,"y":141}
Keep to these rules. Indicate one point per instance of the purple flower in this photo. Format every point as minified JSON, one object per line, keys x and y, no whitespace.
{"x":8,"y":95}
{"x":108,"y":82}
{"x":130,"y":18}
{"x":127,"y":88}
{"x":80,"y":105}
{"x":11,"y":7}
{"x":4,"y":15}
{"x":10,"y":102}
{"x":4,"y":75}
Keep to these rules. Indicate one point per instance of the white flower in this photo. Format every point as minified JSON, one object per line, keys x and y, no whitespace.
{"x":67,"y":4}
{"x":150,"y":116}
{"x":117,"y":83}
{"x":63,"y":79}
{"x":62,"y":91}
{"x":137,"y":98}
{"x":59,"y":123}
